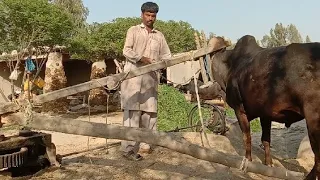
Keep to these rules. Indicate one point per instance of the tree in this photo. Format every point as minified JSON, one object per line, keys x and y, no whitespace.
{"x":259,"y":42}
{"x":211,"y":35}
{"x":281,"y":36}
{"x":106,"y":40}
{"x":293,"y":34}
{"x":308,"y":40}
{"x":76,"y":8}
{"x":179,"y":34}
{"x":32,"y":23}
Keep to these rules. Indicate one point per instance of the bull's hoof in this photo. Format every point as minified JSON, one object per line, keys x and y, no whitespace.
{"x":269,"y":165}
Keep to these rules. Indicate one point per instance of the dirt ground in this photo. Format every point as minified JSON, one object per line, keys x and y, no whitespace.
{"x":163,"y":163}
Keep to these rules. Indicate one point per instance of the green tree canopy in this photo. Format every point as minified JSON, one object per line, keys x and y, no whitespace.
{"x":282,"y":35}
{"x":308,"y":40}
{"x":106,"y":40}
{"x":32,"y":23}
{"x":76,"y":8}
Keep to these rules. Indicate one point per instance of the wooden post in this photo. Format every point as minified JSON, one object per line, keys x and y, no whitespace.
{"x":205,"y":45}
{"x":203,"y":70}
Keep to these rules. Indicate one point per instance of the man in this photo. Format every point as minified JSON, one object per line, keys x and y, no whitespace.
{"x":143,"y":45}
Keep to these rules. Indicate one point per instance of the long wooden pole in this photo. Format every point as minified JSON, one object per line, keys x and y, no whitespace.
{"x":110,"y":81}
{"x":167,"y":140}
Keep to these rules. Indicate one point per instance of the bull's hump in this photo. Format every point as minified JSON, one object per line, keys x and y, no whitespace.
{"x":247,"y":44}
{"x":244,"y":51}
{"x":247,"y":40}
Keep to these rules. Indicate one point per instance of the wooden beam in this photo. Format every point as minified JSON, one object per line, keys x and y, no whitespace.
{"x":8,"y":107}
{"x":112,"y":80}
{"x":167,"y":140}
{"x":22,"y":141}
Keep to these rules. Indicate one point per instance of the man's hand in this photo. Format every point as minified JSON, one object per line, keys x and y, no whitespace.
{"x":146,"y":60}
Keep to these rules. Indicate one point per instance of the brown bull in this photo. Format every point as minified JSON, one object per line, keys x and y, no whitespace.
{"x":279,"y":84}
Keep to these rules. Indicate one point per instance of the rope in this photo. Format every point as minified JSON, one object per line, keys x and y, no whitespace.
{"x":89,"y":116}
{"x":117,"y":84}
{"x":89,"y":108}
{"x":200,"y":113}
{"x":107,"y":121}
{"x":199,"y":105}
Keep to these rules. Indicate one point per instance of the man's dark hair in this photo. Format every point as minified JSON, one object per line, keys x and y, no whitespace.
{"x":149,"y":7}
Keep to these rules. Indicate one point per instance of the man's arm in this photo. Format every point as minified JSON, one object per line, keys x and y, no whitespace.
{"x":165,"y":53}
{"x":128,"y":51}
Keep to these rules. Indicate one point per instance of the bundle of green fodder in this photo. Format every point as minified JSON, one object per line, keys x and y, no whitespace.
{"x":173,"y":108}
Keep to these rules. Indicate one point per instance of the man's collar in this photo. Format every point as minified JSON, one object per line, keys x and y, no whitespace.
{"x":143,"y":26}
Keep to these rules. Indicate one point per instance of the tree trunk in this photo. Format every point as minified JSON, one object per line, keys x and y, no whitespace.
{"x":98,"y":96}
{"x":55,"y":79}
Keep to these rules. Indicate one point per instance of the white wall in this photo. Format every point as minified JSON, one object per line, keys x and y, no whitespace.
{"x":5,"y":83}
{"x":181,"y":73}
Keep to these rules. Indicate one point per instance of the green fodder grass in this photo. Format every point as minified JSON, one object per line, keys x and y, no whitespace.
{"x":173,"y":110}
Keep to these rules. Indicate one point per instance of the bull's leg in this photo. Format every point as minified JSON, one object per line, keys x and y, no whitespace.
{"x":265,"y":139}
{"x":314,"y":142}
{"x":245,"y":128}
{"x":312,"y":116}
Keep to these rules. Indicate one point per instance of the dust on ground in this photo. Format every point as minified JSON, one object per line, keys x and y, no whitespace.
{"x":163,"y":163}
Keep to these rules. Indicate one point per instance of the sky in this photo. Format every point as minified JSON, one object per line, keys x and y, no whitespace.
{"x":232,"y":18}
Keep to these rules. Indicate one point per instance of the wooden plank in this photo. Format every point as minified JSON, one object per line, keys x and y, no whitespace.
{"x":203,"y":70}
{"x":167,"y":140}
{"x":21,"y":141}
{"x":112,"y":80}
{"x":8,"y":107}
